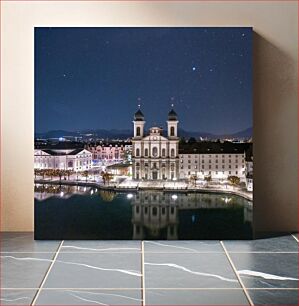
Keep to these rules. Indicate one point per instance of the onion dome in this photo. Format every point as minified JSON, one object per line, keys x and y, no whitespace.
{"x":138,"y":116}
{"x":172,"y":115}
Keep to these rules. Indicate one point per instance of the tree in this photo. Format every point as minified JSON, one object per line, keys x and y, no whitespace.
{"x":68,"y":173}
{"x":208,"y":178}
{"x":85,"y":174}
{"x":107,"y":177}
{"x":234,"y":180}
{"x":193,"y":179}
{"x":49,"y":172}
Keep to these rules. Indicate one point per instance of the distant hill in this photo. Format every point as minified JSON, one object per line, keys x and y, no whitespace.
{"x":127,"y":133}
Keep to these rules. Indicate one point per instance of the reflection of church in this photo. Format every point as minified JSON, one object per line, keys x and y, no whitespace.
{"x":156,"y":214}
{"x":155,"y":157}
{"x":153,"y":212}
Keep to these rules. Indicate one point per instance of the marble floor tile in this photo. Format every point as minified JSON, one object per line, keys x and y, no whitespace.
{"x":274,"y":297}
{"x":24,"y":242}
{"x":277,"y":244}
{"x":182,"y":246}
{"x":267,"y":270}
{"x":296,"y":236}
{"x":113,"y":246}
{"x":89,"y":297}
{"x":16,"y":297}
{"x":195,"y":297}
{"x":96,"y":270}
{"x":25,"y":270}
{"x":185,"y":270}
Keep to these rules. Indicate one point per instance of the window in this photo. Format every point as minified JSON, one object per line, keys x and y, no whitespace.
{"x":209,"y":166}
{"x":216,"y":161}
{"x":236,"y":172}
{"x":155,"y":211}
{"x":172,"y":131}
{"x":163,"y":152}
{"x":216,"y":166}
{"x":202,"y":166}
{"x":137,"y":152}
{"x":229,"y":166}
{"x":146,"y":152}
{"x":209,"y":161}
{"x":223,"y":161}
{"x":172,"y":153}
{"x":155,"y":151}
{"x":222,"y":166}
{"x":229,"y":172}
{"x":229,"y":160}
{"x":189,"y":167}
{"x":189,"y":161}
{"x":138,"y":131}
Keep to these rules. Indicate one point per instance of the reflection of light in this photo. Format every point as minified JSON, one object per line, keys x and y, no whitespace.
{"x":61,"y":193}
{"x":91,"y":192}
{"x":129,"y":196}
{"x":174,"y":196}
{"x":226,"y":200}
{"x":96,"y":189}
{"x":193,"y":218}
{"x":84,"y":189}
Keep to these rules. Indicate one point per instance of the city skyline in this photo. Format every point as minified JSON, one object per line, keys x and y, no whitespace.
{"x":94,"y":78}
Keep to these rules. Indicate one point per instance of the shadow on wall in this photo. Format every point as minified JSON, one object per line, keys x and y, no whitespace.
{"x":275,"y":139}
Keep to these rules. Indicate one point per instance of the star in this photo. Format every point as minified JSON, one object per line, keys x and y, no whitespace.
{"x":193,"y":68}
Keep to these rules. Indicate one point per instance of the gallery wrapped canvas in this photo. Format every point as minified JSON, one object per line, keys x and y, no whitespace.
{"x":143,"y":133}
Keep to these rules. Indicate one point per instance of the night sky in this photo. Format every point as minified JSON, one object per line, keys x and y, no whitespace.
{"x":94,"y":78}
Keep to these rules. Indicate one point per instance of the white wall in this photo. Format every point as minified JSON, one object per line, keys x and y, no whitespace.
{"x":275,"y":92}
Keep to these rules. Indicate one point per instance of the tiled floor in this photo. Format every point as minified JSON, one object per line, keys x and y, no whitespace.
{"x":148,"y":273}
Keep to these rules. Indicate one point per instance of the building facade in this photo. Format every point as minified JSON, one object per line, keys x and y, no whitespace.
{"x":213,"y":159}
{"x":63,"y":159}
{"x":110,"y":152}
{"x":154,"y":156}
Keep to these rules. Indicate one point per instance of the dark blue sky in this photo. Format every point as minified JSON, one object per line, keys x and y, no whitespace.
{"x":95,"y":77}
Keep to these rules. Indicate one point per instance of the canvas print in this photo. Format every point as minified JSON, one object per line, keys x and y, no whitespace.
{"x":143,"y":133}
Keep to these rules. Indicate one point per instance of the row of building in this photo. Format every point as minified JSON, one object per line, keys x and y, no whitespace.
{"x":163,"y":157}
{"x":156,"y":156}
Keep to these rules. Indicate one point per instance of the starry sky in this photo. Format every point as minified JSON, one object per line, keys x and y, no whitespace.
{"x":94,"y":78}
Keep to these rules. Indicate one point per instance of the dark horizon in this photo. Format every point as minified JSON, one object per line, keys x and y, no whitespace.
{"x":94,"y":78}
{"x":146,"y":130}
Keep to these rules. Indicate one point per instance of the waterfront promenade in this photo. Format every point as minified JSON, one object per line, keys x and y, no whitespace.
{"x":131,"y":185}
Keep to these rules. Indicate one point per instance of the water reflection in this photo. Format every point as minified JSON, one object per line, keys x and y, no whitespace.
{"x":138,"y":215}
{"x":156,"y":212}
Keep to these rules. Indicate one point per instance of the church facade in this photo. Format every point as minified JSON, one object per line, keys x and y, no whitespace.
{"x":154,"y":156}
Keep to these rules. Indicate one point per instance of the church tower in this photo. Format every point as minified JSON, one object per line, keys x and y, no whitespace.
{"x":138,"y":124}
{"x":172,"y":124}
